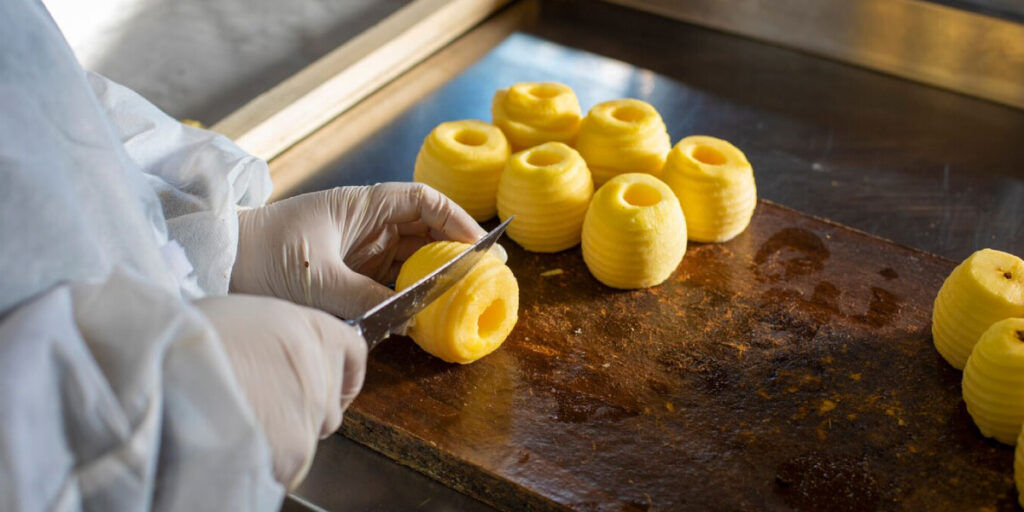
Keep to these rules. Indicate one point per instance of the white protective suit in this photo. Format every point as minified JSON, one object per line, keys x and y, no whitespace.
{"x":115,"y":393}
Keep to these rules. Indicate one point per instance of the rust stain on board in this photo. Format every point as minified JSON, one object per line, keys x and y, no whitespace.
{"x":788,"y":369}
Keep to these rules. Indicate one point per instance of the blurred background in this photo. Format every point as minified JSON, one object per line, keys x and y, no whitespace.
{"x":202,"y":59}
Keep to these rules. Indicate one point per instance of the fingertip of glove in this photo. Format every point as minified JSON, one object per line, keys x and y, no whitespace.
{"x":499,"y":252}
{"x":346,"y":401}
{"x":456,"y":223}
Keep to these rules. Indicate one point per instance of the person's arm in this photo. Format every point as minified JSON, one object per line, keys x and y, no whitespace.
{"x":115,"y":392}
{"x":199,"y":176}
{"x":118,"y":396}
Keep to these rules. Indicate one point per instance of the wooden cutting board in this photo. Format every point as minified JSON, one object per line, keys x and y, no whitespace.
{"x":790,"y":368}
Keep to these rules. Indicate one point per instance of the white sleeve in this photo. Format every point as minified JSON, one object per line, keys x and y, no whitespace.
{"x":118,"y":396}
{"x":113,"y":396}
{"x":200,"y":176}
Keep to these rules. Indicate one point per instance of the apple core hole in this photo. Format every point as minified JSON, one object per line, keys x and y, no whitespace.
{"x":544,"y":92}
{"x":491,"y":319}
{"x":1008,"y":275}
{"x":470,"y":137}
{"x":641,"y":194}
{"x":543,"y":158}
{"x":628,"y":113}
{"x":708,"y":155}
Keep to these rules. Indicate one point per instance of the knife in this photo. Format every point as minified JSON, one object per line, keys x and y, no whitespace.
{"x":376,"y":324}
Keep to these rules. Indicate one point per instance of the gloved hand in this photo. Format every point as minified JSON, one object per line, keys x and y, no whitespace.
{"x":300,"y":369}
{"x":332,"y":249}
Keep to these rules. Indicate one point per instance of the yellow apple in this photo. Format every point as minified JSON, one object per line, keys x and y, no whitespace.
{"x":993,"y":382}
{"x":470,"y":320}
{"x":463,"y":160}
{"x":987,"y":287}
{"x":715,"y":186}
{"x":634,"y":233}
{"x":532,"y":113}
{"x":622,"y":136}
{"x":548,"y":189}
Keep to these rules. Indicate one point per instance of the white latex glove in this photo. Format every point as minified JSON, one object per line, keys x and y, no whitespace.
{"x":333,"y":249}
{"x":300,"y":369}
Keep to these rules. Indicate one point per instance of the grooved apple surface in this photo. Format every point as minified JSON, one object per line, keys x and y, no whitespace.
{"x":532,"y":113}
{"x":634,"y":233}
{"x":993,"y":382}
{"x":463,"y":160}
{"x":715,"y":186}
{"x":471,"y":319}
{"x":623,"y":136}
{"x":548,"y":189}
{"x":987,"y":287}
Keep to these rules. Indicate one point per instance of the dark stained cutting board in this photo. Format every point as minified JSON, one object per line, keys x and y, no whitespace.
{"x":790,"y":368}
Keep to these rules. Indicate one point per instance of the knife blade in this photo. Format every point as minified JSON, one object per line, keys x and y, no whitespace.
{"x":376,"y":324}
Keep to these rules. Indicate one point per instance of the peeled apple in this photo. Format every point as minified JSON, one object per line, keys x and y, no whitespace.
{"x":471,"y":319}
{"x":634,"y":233}
{"x":548,"y":189}
{"x":532,"y":113}
{"x":987,"y":287}
{"x":715,"y":186}
{"x":623,"y":136}
{"x":463,"y":160}
{"x":993,"y":382}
